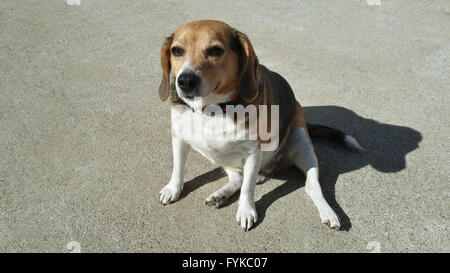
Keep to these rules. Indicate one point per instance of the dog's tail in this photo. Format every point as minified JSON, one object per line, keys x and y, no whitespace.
{"x":316,"y":130}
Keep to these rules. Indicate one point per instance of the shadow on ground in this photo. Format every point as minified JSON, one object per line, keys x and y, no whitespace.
{"x":386,"y":147}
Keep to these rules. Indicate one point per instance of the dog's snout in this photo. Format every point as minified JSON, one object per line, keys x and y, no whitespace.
{"x":188,"y":81}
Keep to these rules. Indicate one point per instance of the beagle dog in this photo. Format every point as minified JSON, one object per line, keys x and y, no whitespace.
{"x":208,"y":63}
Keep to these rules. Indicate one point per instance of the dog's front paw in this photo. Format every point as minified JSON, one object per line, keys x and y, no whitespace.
{"x":329,"y":217}
{"x":246,"y":216}
{"x":169,"y":194}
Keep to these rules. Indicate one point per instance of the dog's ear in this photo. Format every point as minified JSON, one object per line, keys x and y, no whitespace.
{"x":164,"y":87}
{"x":248,"y":83}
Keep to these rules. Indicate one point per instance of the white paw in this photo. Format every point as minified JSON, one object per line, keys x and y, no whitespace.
{"x":261,"y":179}
{"x":215,"y":200}
{"x":329,"y":217}
{"x":246,"y":216}
{"x":169,"y":194}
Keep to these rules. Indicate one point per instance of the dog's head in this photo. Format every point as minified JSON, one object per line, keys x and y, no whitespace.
{"x":211,"y":60}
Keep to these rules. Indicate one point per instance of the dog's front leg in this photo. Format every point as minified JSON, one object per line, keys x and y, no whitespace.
{"x":246,"y":214}
{"x":171,"y":192}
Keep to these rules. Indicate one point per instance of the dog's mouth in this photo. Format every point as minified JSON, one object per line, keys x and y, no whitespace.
{"x":191,"y":97}
{"x":217,"y":86}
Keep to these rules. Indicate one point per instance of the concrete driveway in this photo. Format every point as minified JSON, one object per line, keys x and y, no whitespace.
{"x":85,"y":141}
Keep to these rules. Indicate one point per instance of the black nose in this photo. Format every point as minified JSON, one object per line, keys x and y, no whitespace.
{"x":188,"y":81}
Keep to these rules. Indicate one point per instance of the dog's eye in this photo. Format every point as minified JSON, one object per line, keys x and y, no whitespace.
{"x":176,"y":51}
{"x":214,"y":51}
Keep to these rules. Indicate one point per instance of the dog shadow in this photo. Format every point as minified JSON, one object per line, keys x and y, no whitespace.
{"x":197,"y":182}
{"x":385,"y":149}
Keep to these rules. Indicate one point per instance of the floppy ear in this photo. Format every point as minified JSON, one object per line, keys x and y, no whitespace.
{"x":164,"y":87}
{"x":248,"y":83}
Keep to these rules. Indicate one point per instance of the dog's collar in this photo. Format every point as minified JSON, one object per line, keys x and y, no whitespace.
{"x":222,"y":106}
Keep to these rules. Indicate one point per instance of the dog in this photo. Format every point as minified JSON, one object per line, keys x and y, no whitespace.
{"x":209,"y":63}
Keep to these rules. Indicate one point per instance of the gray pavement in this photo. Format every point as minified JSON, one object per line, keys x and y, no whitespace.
{"x":85,"y":141}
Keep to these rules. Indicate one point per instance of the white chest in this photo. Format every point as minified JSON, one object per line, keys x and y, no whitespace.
{"x":217,"y":138}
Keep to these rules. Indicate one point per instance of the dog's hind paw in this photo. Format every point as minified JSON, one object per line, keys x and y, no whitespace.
{"x":261,"y":179}
{"x":215,"y":201}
